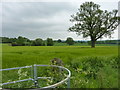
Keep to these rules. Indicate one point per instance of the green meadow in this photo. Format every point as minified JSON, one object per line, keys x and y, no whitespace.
{"x":90,"y":67}
{"x":29,"y":55}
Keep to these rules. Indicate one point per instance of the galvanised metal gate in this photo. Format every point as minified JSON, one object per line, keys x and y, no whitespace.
{"x":35,"y":78}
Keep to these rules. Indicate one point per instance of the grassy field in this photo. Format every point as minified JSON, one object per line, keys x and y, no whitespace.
{"x":28,"y":55}
{"x":90,"y":67}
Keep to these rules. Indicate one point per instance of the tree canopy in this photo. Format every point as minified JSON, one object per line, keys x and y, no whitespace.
{"x":70,"y":41}
{"x":49,"y":42}
{"x":91,"y":21}
{"x":38,"y":42}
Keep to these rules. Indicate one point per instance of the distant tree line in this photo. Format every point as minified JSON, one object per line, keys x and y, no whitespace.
{"x":23,"y":41}
{"x":106,"y":42}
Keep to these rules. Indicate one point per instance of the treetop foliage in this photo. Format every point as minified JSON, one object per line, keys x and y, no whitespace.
{"x":70,"y":41}
{"x":91,"y":21}
{"x":49,"y":42}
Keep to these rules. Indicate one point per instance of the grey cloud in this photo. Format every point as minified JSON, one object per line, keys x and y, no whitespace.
{"x":38,"y":19}
{"x":40,"y":9}
{"x":31,"y":17}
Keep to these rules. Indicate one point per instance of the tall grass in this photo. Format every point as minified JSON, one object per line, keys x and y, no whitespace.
{"x":29,"y":55}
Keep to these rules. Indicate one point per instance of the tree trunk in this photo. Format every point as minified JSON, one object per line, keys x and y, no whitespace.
{"x":92,"y":43}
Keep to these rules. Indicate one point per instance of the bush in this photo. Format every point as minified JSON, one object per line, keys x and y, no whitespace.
{"x":14,"y":44}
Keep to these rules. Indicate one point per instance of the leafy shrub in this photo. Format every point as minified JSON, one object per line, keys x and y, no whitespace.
{"x":14,"y":44}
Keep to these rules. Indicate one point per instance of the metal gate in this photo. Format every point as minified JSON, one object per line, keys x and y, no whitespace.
{"x":35,"y":77}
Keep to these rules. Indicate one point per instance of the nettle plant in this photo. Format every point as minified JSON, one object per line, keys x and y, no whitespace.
{"x":22,"y":74}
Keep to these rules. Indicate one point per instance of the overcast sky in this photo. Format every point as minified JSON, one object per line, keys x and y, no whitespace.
{"x":43,"y":19}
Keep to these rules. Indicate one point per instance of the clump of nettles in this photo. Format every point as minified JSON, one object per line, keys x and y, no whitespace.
{"x":0,"y":86}
{"x":23,"y":75}
{"x":58,"y":74}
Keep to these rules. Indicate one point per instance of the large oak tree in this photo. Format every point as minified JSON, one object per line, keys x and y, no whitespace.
{"x":91,"y":21}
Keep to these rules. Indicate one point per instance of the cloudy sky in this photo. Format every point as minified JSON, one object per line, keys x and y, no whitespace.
{"x":43,"y":19}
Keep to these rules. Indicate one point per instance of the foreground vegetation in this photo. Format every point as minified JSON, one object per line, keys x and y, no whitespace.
{"x":90,"y":67}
